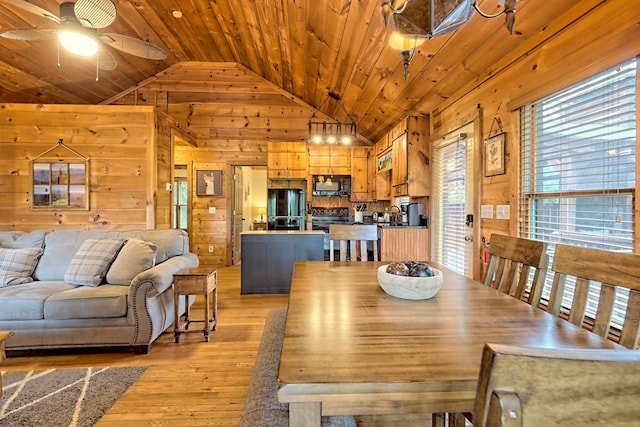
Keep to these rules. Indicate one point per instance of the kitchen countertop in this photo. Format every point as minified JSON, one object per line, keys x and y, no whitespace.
{"x":283,"y":232}
{"x":385,"y":225}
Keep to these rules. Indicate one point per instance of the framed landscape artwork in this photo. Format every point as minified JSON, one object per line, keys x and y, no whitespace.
{"x":60,"y":184}
{"x":494,"y":163}
{"x":209,"y":183}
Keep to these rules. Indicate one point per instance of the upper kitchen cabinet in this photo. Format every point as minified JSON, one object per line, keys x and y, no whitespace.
{"x":383,"y":161}
{"x":329,"y":160}
{"x":362,"y":175}
{"x":411,"y":173}
{"x":287,"y":160}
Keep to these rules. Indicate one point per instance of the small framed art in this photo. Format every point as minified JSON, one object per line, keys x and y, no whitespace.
{"x":209,"y":183}
{"x":494,"y":163}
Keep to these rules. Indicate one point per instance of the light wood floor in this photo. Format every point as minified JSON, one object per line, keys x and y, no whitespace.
{"x":192,"y":383}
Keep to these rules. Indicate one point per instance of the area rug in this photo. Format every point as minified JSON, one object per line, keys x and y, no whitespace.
{"x":63,"y":397}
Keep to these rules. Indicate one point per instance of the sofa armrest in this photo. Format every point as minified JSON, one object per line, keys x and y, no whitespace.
{"x":160,"y":277}
{"x":150,"y":305}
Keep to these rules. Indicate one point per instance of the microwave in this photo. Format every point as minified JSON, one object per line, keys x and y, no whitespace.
{"x":335,"y":186}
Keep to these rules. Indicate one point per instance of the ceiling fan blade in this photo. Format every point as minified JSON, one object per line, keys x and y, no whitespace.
{"x":133,"y":46}
{"x":32,"y":8}
{"x":29,"y":34}
{"x":95,"y":13}
{"x":106,"y":61}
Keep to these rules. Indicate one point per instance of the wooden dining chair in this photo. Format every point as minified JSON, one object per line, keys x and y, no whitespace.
{"x":614,"y":272}
{"x":353,"y":236}
{"x":543,"y":387}
{"x":511,"y":260}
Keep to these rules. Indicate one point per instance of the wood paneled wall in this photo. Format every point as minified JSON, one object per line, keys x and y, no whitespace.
{"x":117,"y":139}
{"x":205,"y":228}
{"x":566,"y":53}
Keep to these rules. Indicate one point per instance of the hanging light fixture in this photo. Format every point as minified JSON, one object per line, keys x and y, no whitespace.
{"x":332,"y":132}
{"x":433,"y":18}
{"x":414,"y":21}
{"x":407,"y":47}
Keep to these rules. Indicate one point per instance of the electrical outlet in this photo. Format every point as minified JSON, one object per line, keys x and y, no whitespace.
{"x":502,"y":211}
{"x":210,"y":248}
{"x":212,"y":210}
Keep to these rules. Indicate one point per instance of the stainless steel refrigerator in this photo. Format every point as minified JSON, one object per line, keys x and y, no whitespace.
{"x":286,"y":209}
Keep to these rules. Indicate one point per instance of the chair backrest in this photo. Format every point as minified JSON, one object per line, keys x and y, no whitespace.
{"x":542,"y":387}
{"x":354,"y":235}
{"x":511,"y":261}
{"x":614,"y":271}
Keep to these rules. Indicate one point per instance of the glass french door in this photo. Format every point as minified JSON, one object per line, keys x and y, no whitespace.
{"x":452,"y":228}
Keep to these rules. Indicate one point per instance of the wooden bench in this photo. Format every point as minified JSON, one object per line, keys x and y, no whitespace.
{"x":262,"y":407}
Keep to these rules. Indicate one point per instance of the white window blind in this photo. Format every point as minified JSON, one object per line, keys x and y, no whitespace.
{"x":450,"y":163}
{"x":578,"y":152}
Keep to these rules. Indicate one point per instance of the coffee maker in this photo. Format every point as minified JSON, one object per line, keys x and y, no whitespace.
{"x":413,"y":216}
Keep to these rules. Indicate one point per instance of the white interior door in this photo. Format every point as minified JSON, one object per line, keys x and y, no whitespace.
{"x":238,"y":218}
{"x":452,"y":230}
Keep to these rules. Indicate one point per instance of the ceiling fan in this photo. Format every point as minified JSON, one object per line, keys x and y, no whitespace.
{"x":77,"y":31}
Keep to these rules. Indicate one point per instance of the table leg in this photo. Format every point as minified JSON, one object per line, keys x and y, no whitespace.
{"x":214,"y":318}
{"x":305,"y":414}
{"x":207,"y":320}
{"x":176,"y":324}
{"x":187,"y":319}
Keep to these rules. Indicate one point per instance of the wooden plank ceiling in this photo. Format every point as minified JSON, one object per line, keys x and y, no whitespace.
{"x":270,"y":52}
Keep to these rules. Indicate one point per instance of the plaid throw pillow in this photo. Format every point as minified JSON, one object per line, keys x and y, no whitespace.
{"x":91,"y":261}
{"x":17,"y":265}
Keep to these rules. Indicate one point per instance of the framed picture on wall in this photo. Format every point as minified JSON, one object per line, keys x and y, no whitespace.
{"x":60,"y":184}
{"x":494,"y":163}
{"x":209,"y":183}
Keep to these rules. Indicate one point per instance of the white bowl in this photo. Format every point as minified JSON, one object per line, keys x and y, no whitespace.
{"x":407,"y":287}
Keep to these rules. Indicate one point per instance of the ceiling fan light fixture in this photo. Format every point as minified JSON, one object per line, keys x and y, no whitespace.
{"x":78,"y":43}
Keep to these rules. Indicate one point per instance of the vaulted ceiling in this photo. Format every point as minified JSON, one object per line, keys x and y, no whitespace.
{"x":304,"y":48}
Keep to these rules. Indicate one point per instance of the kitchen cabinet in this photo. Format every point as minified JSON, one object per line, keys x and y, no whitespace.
{"x":382,"y":169}
{"x":287,"y":160}
{"x":327,"y":159}
{"x":408,"y":154}
{"x":404,"y":244}
{"x":362,"y":174}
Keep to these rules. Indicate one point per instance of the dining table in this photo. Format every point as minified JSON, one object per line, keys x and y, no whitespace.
{"x":351,"y":349}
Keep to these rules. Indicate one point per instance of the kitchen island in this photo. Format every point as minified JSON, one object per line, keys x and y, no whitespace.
{"x":267,"y":258}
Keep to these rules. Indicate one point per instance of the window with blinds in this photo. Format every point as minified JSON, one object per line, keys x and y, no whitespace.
{"x":453,"y":185}
{"x":578,"y":167}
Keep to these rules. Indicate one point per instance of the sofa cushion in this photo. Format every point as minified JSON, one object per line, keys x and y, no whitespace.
{"x":90,"y":263}
{"x":135,"y":257}
{"x":22,"y":239}
{"x":87,"y":302}
{"x":17,"y":265}
{"x":26,"y":301}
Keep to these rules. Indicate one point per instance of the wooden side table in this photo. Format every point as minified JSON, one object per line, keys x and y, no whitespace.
{"x":195,"y":281}
{"x":3,"y":337}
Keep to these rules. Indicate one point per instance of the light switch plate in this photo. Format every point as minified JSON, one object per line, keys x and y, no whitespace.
{"x":212,"y":210}
{"x":486,"y":211}
{"x":502,"y":211}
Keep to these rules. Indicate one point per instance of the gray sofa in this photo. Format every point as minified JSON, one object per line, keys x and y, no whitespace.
{"x":62,"y":306}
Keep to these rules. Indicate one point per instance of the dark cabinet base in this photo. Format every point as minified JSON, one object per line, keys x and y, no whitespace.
{"x":268,"y":258}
